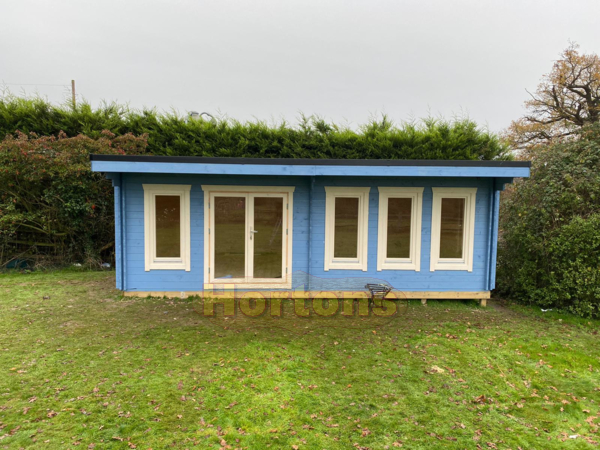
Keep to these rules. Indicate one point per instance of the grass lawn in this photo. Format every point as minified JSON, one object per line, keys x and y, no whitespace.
{"x":81,"y":367}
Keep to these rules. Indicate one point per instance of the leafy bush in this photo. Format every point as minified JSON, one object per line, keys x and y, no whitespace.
{"x":52,"y":207}
{"x":549,"y":253}
{"x":170,"y":134}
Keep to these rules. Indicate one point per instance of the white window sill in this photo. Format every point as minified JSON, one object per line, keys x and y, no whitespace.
{"x":168,"y":265}
{"x":335,"y":265}
{"x":451,"y":265}
{"x":399,"y":265}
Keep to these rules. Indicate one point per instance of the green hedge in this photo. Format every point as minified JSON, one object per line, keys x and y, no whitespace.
{"x":549,"y":253}
{"x":170,"y":134}
{"x":53,"y":209}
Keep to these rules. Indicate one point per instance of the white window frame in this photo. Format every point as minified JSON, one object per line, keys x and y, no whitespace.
{"x":249,"y":192}
{"x":152,"y":262}
{"x":360,"y":262}
{"x":413,"y":262}
{"x":466,"y":262}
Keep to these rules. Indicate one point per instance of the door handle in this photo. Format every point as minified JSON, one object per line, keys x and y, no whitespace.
{"x":252,"y":232}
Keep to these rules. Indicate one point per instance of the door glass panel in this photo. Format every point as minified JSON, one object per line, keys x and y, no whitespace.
{"x":168,"y":226}
{"x":230,"y":237}
{"x":398,"y":227}
{"x":268,"y":239}
{"x":345,"y":239}
{"x":452,"y":228}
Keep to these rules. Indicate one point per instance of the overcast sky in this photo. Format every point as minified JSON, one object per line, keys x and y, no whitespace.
{"x":345,"y":60}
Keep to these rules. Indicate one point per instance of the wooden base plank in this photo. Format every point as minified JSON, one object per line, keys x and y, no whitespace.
{"x":228,"y":293}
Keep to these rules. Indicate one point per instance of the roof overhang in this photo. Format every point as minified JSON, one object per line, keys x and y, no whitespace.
{"x":308,"y":167}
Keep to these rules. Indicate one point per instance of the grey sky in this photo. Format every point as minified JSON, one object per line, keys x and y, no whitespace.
{"x":345,"y":60}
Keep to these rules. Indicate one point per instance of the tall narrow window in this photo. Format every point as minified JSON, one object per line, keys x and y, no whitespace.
{"x":399,"y":229}
{"x":453,"y":228}
{"x":345,"y":236}
{"x":346,"y":228}
{"x":166,"y":226}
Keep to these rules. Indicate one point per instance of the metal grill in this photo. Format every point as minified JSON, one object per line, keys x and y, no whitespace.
{"x":378,"y":291}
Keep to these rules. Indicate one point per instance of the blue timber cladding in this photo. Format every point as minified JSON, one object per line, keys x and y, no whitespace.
{"x":403,"y":280}
{"x":308,"y":233}
{"x":180,"y":281}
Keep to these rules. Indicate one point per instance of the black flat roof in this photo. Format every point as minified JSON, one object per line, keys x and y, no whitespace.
{"x":309,"y":162}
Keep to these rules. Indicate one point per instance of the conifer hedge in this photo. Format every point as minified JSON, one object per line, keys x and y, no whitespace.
{"x":172,"y":134}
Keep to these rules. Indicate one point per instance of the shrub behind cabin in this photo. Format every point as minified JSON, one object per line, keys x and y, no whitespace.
{"x":53,"y":209}
{"x":549,"y":254}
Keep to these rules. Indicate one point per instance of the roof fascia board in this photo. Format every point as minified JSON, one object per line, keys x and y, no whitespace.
{"x":309,"y":162}
{"x":308,"y":170}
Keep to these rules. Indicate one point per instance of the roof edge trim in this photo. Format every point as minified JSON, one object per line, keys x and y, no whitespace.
{"x":308,"y":162}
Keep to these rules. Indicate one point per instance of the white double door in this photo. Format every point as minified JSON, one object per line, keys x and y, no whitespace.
{"x":249,"y":238}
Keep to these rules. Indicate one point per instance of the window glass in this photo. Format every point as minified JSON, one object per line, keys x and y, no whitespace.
{"x":268,"y":237}
{"x":230,"y":237}
{"x":452,"y":227}
{"x":168,"y":226}
{"x":346,"y":228}
{"x":398,"y":227}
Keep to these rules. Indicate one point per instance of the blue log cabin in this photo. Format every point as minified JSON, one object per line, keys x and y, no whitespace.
{"x":188,"y":225}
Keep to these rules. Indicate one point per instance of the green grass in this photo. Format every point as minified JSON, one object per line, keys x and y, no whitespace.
{"x":84,"y":366}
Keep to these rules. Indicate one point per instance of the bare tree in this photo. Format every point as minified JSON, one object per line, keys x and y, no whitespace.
{"x":567,"y":99}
